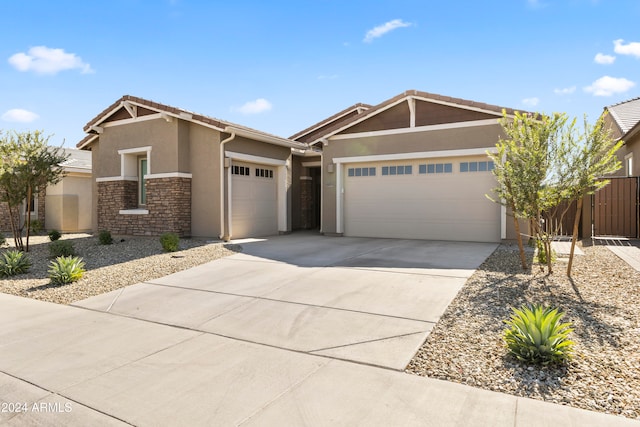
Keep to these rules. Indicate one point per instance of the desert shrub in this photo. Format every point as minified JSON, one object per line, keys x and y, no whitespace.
{"x":54,"y":235}
{"x":105,"y":237}
{"x":536,"y":335}
{"x":60,"y":248}
{"x":542,"y":254}
{"x":35,"y":226}
{"x":169,"y":242}
{"x":66,"y":269}
{"x":14,"y":262}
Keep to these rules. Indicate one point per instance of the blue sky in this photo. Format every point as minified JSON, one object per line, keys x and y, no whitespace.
{"x":280,"y":66}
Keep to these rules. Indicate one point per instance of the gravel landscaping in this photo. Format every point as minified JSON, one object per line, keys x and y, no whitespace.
{"x":127,"y":261}
{"x":602,"y":301}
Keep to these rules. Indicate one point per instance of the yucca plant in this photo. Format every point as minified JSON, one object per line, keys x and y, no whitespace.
{"x":536,"y":335}
{"x":14,"y":262}
{"x":66,"y":269}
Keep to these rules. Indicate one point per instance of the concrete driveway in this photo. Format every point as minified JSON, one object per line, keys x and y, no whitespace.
{"x":372,"y":301}
{"x":307,"y":300}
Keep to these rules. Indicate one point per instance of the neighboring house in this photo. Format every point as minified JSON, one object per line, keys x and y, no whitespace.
{"x":415,"y":166}
{"x":624,"y":121}
{"x":65,"y":206}
{"x":68,"y":203}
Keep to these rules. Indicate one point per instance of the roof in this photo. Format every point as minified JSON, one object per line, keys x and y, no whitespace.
{"x":359,"y":107}
{"x":626,"y":114}
{"x":221,"y":125}
{"x":425,"y":96}
{"x":78,"y":160}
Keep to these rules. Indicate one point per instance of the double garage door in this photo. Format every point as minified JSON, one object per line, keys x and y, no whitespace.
{"x":254,"y":200}
{"x":436,"y":199}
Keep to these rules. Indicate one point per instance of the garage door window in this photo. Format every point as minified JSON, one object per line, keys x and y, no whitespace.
{"x":435,"y":168}
{"x":476,"y":166}
{"x":397,"y":170}
{"x":361,"y":171}
{"x":240,"y":170}
{"x":264,"y":173}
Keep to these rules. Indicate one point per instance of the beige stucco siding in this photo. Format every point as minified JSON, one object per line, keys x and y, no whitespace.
{"x":256,"y":148}
{"x":68,"y":204}
{"x":205,"y":184}
{"x":161,"y":135}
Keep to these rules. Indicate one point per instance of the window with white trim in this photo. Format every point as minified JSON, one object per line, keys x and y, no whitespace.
{"x":142,"y":173}
{"x":361,"y":172}
{"x":435,"y":168}
{"x":485,"y":166}
{"x":397,"y":170}
{"x":628,"y":164}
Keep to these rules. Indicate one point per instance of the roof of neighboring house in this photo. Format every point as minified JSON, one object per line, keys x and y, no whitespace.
{"x":356,"y":108}
{"x":78,"y":161}
{"x":221,"y":125}
{"x":626,"y":114}
{"x":425,"y":96}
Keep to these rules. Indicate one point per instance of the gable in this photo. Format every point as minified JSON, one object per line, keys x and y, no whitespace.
{"x":426,"y":114}
{"x":396,"y":117}
{"x":322,"y":130}
{"x":123,"y":114}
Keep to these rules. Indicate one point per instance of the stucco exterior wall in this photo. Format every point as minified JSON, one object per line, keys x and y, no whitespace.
{"x":69,"y":204}
{"x":204,"y":158}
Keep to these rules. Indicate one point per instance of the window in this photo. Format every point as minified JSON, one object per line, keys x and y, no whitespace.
{"x":476,"y":166}
{"x":435,"y":168}
{"x":361,"y":172}
{"x":142,"y":173}
{"x":241,"y":170}
{"x":628,"y":163}
{"x":397,"y":170}
{"x":263,"y":173}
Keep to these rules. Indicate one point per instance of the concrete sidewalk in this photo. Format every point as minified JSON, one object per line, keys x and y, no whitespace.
{"x":76,"y":367}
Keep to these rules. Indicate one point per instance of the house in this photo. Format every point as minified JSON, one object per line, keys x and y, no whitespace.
{"x":624,"y":121}
{"x":414,"y":166}
{"x":65,"y":206}
{"x":158,"y":169}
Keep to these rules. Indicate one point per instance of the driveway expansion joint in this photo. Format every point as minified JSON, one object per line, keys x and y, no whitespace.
{"x":264,"y":298}
{"x":367,"y":341}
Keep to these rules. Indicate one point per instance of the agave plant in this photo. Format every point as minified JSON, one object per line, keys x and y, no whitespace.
{"x":14,"y":262}
{"x":66,"y":269}
{"x":536,"y":335}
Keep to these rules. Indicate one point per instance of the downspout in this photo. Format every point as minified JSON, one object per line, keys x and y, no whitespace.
{"x":222,"y":143}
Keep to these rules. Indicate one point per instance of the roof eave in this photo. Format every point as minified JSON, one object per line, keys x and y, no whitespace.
{"x":265,"y":138}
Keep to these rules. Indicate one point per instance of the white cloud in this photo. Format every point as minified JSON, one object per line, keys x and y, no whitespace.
{"x":44,"y":60}
{"x":383,"y":29}
{"x":565,"y":90}
{"x":258,"y":106}
{"x":19,"y":115}
{"x":631,"y":48}
{"x":531,"y":102}
{"x":536,"y":4}
{"x":604,"y":59}
{"x":607,"y":86}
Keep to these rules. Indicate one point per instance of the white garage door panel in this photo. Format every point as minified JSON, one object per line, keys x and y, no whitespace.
{"x":254,"y":203}
{"x":449,"y":206}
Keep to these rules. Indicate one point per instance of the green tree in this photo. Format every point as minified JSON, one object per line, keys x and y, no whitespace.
{"x":523,"y":167}
{"x":27,"y":164}
{"x":592,"y":157}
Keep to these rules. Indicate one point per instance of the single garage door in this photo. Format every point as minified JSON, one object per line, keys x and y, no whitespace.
{"x":438,"y":199}
{"x":254,"y":204}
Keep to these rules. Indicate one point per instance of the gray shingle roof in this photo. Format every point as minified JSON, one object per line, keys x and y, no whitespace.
{"x":626,"y":114}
